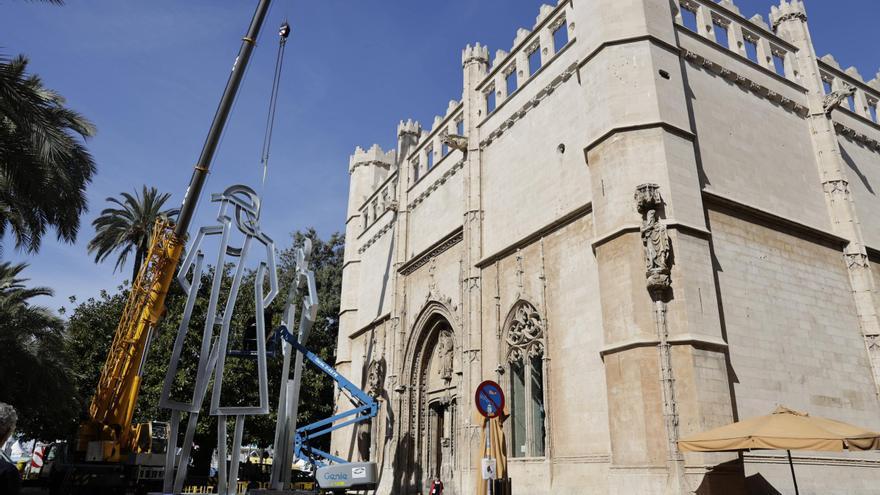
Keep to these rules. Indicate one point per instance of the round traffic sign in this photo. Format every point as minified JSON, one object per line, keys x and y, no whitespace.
{"x":489,"y":398}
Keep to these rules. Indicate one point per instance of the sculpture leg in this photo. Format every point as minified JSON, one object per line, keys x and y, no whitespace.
{"x":183,"y":462}
{"x":281,"y":433}
{"x":171,"y":453}
{"x":221,"y":456}
{"x":236,"y":454}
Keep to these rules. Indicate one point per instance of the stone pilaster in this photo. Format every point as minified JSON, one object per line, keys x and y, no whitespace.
{"x":475,"y":62}
{"x":790,"y":22}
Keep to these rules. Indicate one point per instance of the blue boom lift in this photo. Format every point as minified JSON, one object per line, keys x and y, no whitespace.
{"x":343,"y":474}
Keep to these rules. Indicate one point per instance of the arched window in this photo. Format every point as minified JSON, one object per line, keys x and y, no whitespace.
{"x":525,"y":361}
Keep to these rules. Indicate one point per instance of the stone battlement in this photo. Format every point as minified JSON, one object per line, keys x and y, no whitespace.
{"x":476,"y":53}
{"x":372,"y":156}
{"x":409,"y":127}
{"x":787,"y":9}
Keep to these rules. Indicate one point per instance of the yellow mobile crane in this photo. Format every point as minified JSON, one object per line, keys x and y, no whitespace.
{"x":113,"y":455}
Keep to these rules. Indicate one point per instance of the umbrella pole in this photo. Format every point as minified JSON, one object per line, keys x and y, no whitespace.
{"x":793,"y":478}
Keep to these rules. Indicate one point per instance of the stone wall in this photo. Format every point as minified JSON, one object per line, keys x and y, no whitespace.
{"x":765,"y":193}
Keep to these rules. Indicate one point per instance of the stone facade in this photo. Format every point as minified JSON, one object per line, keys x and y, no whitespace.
{"x":647,"y":219}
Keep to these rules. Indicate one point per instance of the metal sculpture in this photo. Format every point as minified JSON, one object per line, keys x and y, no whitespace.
{"x":302,"y":288}
{"x":240,"y":204}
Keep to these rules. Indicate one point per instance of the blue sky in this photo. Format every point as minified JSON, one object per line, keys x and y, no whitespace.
{"x":149,"y":74}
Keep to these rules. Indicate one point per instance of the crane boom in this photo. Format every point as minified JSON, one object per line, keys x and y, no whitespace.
{"x":108,"y":433}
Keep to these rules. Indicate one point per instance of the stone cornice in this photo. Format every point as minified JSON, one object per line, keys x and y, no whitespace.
{"x":744,"y":82}
{"x":857,"y":137}
{"x":544,"y":231}
{"x":557,"y":81}
{"x":696,"y":340}
{"x":378,"y":235}
{"x":436,"y":184}
{"x":436,"y":249}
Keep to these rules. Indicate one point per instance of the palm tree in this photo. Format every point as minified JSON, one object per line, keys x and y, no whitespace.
{"x":128,"y":227}
{"x":44,"y":165}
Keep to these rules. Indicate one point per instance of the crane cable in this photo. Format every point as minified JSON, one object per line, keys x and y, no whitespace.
{"x":283,"y":33}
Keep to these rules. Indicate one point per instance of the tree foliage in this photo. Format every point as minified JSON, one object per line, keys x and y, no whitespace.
{"x":92,"y":324}
{"x":128,"y":226}
{"x":44,"y":165}
{"x":34,"y":364}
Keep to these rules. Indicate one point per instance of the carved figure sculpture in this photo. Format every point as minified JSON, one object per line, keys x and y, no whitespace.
{"x":836,"y":98}
{"x":445,"y":347}
{"x":376,"y":378}
{"x":655,"y":238}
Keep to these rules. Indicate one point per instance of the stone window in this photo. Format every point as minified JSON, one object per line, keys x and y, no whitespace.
{"x":689,"y":18}
{"x":872,"y":111}
{"x":851,"y":103}
{"x":826,"y":84}
{"x":510,"y":80}
{"x":375,"y":207}
{"x":490,"y":99}
{"x":444,"y":148}
{"x":721,"y":27}
{"x":534,"y":58}
{"x":459,"y":126}
{"x":751,"y":46}
{"x":779,"y":62}
{"x":524,"y":339}
{"x":430,"y":152}
{"x":560,"y":35}
{"x":415,"y":170}
{"x":366,"y":218}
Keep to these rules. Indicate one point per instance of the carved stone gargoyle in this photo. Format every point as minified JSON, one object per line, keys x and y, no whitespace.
{"x":836,"y":98}
{"x":655,"y":239}
{"x":455,"y":141}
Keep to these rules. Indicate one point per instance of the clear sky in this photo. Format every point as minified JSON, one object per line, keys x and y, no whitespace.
{"x":149,"y":74}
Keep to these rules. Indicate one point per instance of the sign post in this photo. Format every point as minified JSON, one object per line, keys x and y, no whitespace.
{"x":490,"y":403}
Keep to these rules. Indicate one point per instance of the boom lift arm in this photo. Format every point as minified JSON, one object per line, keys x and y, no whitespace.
{"x":366,"y":408}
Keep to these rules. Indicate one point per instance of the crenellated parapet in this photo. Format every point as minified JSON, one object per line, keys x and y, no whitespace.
{"x":372,"y":156}
{"x":787,"y":10}
{"x":476,"y":53}
{"x":856,"y":95}
{"x":409,"y":128}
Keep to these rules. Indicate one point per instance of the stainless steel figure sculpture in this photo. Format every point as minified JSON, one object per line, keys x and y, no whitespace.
{"x":302,"y":288}
{"x":240,"y":204}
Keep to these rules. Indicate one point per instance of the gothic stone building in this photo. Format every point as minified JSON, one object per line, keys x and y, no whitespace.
{"x":646,"y":219}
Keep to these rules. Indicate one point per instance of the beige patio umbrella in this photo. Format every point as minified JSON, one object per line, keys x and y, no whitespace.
{"x":784,"y":429}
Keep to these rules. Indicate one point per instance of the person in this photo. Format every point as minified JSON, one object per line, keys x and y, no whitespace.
{"x":10,"y":479}
{"x":436,"y":487}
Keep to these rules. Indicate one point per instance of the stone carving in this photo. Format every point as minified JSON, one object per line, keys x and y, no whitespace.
{"x":836,"y":187}
{"x":525,"y":334}
{"x":837,"y":97}
{"x":455,"y":141}
{"x":376,"y":378}
{"x":655,"y":239}
{"x":856,"y":260}
{"x":445,"y":349}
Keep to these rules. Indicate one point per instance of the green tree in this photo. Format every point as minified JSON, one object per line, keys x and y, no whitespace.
{"x":44,"y":165}
{"x":91,"y":326}
{"x":33,"y":361}
{"x":128,"y":227}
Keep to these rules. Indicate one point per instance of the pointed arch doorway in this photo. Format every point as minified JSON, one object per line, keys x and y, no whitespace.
{"x":432,"y":372}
